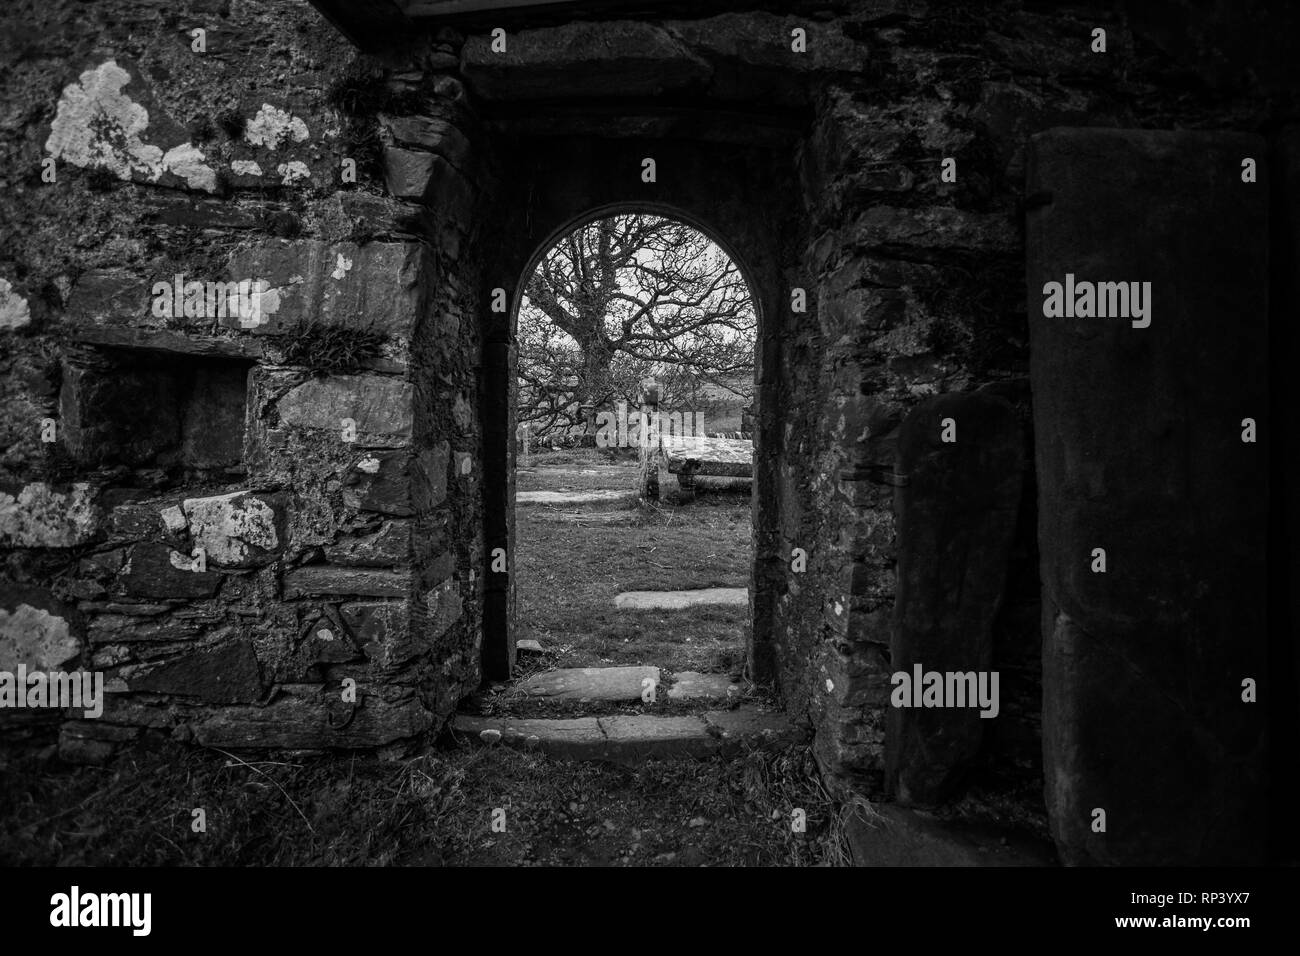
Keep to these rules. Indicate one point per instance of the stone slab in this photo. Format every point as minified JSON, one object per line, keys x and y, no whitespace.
{"x":589,"y":683}
{"x":956,"y":517}
{"x":751,"y":726}
{"x":567,"y":497}
{"x":577,"y":738}
{"x":1138,"y":440}
{"x":625,"y":58}
{"x":634,"y":737}
{"x":677,"y":600}
{"x":643,"y":736}
{"x":692,"y":685}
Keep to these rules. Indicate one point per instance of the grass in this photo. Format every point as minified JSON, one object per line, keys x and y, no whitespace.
{"x":435,"y":809}
{"x":572,"y":559}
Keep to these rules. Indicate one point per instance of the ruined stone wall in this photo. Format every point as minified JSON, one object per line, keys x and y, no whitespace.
{"x":921,"y":292}
{"x":238,"y":514}
{"x":332,"y":555}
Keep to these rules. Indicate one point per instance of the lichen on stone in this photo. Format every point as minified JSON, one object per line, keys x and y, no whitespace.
{"x":14,"y":311}
{"x":272,"y":126}
{"x":98,"y":126}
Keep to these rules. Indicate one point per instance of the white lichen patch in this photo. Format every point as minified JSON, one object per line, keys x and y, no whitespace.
{"x":36,"y":638}
{"x":229,"y":526}
{"x":40,"y":517}
{"x":341,"y":267}
{"x":272,"y":126}
{"x":292,"y":172}
{"x":245,"y":167}
{"x":186,"y":161}
{"x":14,"y":311}
{"x":97,"y":125}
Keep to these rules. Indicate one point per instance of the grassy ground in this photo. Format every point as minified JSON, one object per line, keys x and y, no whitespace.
{"x":436,"y":809}
{"x":574,"y":558}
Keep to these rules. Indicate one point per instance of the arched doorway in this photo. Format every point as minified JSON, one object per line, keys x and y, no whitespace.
{"x":634,"y":388}
{"x":732,"y":194}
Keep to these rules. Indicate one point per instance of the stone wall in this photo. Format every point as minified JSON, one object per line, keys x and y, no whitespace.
{"x":345,"y":526}
{"x":322,"y":456}
{"x":921,"y":293}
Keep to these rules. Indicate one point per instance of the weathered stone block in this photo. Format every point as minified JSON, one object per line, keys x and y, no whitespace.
{"x":112,"y":297}
{"x":128,"y":629}
{"x":956,"y":519}
{"x":387,"y":547}
{"x":317,"y":580}
{"x":36,"y":635}
{"x":429,"y":484}
{"x":431,"y":133}
{"x":136,"y":520}
{"x":379,"y":406}
{"x":227,"y":673}
{"x":624,"y":58}
{"x":441,"y":609}
{"x":239,"y":529}
{"x":380,"y":482}
{"x":1142,"y":670}
{"x":762,"y":41}
{"x":377,"y":285}
{"x":310,"y":717}
{"x":155,"y":570}
{"x":382,"y":629}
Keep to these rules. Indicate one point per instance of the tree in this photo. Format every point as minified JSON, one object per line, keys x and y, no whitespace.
{"x":621,"y":299}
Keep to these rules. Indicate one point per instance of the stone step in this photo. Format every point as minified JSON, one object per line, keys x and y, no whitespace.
{"x":676,"y":600}
{"x":692,"y":685}
{"x":633,"y":738}
{"x":588,"y":683}
{"x":625,"y":683}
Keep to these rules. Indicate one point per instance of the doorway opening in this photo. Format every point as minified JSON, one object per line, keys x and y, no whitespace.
{"x":634,"y":395}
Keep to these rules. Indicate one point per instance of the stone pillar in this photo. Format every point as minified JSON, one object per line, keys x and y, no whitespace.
{"x":960,"y":459}
{"x":1139,"y":450}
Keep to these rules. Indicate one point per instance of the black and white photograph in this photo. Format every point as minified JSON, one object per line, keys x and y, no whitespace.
{"x":645,"y":434}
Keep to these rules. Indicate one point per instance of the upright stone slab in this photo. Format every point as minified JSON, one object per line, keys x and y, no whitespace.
{"x":1138,"y":435}
{"x":956,"y":518}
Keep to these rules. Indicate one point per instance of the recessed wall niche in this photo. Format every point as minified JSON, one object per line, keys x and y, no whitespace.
{"x":139,"y":409}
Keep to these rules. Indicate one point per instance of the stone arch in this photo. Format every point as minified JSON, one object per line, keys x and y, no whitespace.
{"x":538,"y":207}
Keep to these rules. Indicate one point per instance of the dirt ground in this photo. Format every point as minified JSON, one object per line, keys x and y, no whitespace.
{"x":435,"y":809}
